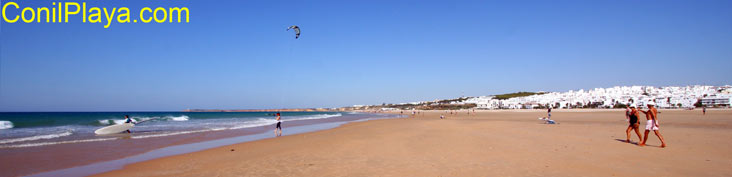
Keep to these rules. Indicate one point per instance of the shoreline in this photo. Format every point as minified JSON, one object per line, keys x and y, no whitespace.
{"x":64,"y":156}
{"x":106,"y":166}
{"x":499,"y":143}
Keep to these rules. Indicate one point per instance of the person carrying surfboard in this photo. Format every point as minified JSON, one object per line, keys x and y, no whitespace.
{"x":128,"y":120}
{"x":278,"y":128}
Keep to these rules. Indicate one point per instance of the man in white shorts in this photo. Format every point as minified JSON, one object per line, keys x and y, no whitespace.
{"x":652,"y":124}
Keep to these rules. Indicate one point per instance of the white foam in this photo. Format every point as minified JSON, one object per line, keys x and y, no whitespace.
{"x":4,"y":124}
{"x":264,"y":121}
{"x":255,"y":123}
{"x":85,"y":140}
{"x":137,"y":119}
{"x":57,"y":142}
{"x":33,"y":138}
{"x":225,"y":126}
{"x":113,"y":121}
{"x":317,"y":116}
{"x":142,"y":119}
{"x":104,"y":122}
{"x":170,"y":134}
{"x":247,"y":124}
{"x":179,"y":118}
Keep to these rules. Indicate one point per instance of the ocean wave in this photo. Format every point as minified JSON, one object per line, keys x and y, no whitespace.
{"x":56,"y":142}
{"x":247,"y":124}
{"x":227,"y":126}
{"x":178,"y":118}
{"x":170,"y":134}
{"x":111,"y":121}
{"x":255,"y":123}
{"x":143,"y":119}
{"x":4,"y":124}
{"x":83,"y":140}
{"x":33,"y":138}
{"x":218,"y":129}
{"x":316,"y":116}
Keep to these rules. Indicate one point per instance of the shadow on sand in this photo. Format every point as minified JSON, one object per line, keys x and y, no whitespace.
{"x":631,"y":142}
{"x":636,"y":143}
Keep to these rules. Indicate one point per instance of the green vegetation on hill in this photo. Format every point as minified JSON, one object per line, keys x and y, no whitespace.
{"x":461,"y":99}
{"x":449,"y":104}
{"x":517,"y":94}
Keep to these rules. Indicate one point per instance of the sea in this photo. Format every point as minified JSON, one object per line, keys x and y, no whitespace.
{"x":34,"y":129}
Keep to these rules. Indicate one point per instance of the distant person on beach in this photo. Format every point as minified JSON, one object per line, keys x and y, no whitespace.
{"x":704,"y":111}
{"x":278,"y":128}
{"x":634,"y":123}
{"x":652,"y":124}
{"x":549,"y":113}
{"x":627,"y":112}
{"x":128,"y":120}
{"x":442,"y":116}
{"x":414,"y":113}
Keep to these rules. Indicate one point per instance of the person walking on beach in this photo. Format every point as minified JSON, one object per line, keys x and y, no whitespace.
{"x":704,"y":110}
{"x":128,"y":121}
{"x":549,"y":113}
{"x":652,"y":124}
{"x":632,"y":117}
{"x":278,"y":128}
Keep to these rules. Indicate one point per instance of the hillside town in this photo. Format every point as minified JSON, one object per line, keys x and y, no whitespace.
{"x":673,"y":97}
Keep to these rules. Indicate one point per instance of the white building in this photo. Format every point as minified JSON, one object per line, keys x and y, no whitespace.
{"x":717,"y":100}
{"x":664,"y":97}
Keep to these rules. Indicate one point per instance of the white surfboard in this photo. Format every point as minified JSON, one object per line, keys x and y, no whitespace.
{"x":114,"y":129}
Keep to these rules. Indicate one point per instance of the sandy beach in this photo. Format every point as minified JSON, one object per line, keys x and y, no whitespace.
{"x":48,"y":156}
{"x":489,"y":143}
{"x":327,"y":88}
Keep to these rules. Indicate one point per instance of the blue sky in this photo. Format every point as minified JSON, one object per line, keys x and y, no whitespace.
{"x":237,"y":54}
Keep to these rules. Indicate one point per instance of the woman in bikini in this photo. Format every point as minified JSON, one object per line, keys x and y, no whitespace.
{"x":633,"y":124}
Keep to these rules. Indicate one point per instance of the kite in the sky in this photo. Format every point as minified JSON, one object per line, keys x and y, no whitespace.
{"x":297,"y":30}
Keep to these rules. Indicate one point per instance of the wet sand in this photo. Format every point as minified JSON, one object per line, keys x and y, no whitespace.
{"x":17,"y":161}
{"x":491,"y":143}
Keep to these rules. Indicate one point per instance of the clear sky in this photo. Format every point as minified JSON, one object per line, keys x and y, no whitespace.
{"x":237,"y":54}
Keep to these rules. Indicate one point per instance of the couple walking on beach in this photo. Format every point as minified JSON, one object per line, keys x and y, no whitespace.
{"x":651,"y":123}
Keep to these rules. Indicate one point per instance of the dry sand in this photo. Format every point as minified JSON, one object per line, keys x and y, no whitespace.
{"x":491,"y":143}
